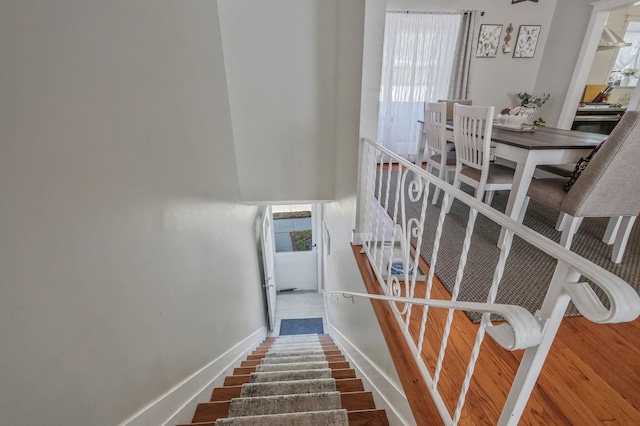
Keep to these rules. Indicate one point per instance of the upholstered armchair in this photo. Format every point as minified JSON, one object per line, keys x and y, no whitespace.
{"x":608,"y":187}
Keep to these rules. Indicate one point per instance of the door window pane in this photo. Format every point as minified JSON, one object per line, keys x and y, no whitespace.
{"x":292,"y":228}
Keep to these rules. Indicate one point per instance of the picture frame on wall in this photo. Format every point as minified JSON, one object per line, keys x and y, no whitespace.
{"x":527,"y":41}
{"x":488,"y":40}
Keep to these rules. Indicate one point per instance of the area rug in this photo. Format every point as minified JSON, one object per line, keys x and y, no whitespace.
{"x":301,"y":326}
{"x":528,"y":270}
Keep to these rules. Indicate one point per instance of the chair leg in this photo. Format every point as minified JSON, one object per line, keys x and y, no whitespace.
{"x":441,"y":174}
{"x":571,"y":226}
{"x":523,"y":211}
{"x":456,"y":183}
{"x":612,"y":230}
{"x":562,"y":218}
{"x":622,"y":238}
{"x":488,"y":197}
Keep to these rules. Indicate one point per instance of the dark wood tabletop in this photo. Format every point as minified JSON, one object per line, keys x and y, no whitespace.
{"x":547,"y":138}
{"x":544,"y":138}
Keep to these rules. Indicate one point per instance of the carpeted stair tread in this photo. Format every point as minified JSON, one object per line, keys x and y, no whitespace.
{"x":295,"y":353}
{"x":288,"y":388}
{"x":273,"y":376}
{"x":290,"y":348}
{"x":263,"y":355}
{"x":318,"y":418}
{"x":299,"y":339}
{"x":292,"y":366}
{"x":226,"y":393}
{"x":248,"y":370}
{"x":278,"y":404}
{"x":301,"y":358}
{"x":356,"y":418}
{"x":265,"y":350}
{"x":296,"y":380}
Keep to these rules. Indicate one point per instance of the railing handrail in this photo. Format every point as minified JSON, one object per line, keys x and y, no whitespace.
{"x":624,"y":300}
{"x":525,"y":329}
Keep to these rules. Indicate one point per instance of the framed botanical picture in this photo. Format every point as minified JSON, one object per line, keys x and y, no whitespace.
{"x":527,"y":41}
{"x":488,"y":41}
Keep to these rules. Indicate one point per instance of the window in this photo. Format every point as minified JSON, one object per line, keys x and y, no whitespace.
{"x":418,"y":55}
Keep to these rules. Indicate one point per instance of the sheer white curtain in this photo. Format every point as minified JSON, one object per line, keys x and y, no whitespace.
{"x":417,"y":62}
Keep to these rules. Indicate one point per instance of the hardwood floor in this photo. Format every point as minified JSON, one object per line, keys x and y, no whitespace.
{"x":591,"y":377}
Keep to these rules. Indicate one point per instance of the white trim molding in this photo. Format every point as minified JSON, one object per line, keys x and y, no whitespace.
{"x":387,"y":395}
{"x":178,"y":404}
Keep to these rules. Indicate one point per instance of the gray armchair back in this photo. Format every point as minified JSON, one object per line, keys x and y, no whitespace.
{"x":610,"y":185}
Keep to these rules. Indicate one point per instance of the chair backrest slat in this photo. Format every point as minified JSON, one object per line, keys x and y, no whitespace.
{"x":434,"y":129}
{"x":451,"y":102}
{"x":472,"y":127}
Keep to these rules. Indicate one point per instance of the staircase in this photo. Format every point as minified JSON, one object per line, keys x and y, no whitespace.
{"x":291,"y":380}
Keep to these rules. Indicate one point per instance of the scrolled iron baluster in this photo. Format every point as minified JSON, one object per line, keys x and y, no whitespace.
{"x":415,"y":189}
{"x":473,"y":214}
{"x":446,"y":200}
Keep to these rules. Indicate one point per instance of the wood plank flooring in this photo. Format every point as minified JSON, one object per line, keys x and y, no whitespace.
{"x":591,"y":377}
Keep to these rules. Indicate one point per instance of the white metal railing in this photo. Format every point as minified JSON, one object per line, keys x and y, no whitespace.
{"x":387,"y":244}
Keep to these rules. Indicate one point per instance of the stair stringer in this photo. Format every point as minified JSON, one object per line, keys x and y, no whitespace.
{"x":179,"y":403}
{"x":386,"y":394}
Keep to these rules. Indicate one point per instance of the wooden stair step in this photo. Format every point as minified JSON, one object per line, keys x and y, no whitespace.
{"x":323,"y":417}
{"x":352,"y":401}
{"x":274,"y":338}
{"x":264,"y":355}
{"x":326,"y":348}
{"x":254,"y":362}
{"x":247,"y":370}
{"x":342,"y":373}
{"x":356,"y":418}
{"x":358,"y":403}
{"x":211,"y":411}
{"x":225,"y":393}
{"x":366,"y":418}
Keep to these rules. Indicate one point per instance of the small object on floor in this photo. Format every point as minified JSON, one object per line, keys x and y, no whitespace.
{"x":287,"y":290}
{"x":301,"y":326}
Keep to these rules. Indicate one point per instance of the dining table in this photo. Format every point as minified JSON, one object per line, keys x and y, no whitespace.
{"x":532,"y":147}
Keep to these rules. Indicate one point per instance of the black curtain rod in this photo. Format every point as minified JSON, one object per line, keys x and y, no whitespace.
{"x":464,"y":12}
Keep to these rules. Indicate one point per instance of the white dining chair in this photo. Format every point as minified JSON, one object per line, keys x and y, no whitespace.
{"x":436,"y":152}
{"x":607,"y":187}
{"x":451,"y":102}
{"x":472,"y":126}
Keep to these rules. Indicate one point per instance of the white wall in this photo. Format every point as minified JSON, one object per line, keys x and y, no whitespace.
{"x":118,"y":224}
{"x":281,"y":74}
{"x":566,"y":35}
{"x":357,"y":322}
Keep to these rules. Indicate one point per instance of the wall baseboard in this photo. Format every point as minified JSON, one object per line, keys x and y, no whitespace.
{"x":179,"y":403}
{"x":386,"y":394}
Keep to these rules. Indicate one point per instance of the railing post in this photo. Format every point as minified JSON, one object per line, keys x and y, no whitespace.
{"x":550,"y":317}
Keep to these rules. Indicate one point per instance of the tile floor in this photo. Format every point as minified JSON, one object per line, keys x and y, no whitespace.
{"x":299,"y":304}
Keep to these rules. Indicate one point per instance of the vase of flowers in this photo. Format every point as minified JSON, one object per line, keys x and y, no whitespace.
{"x":523,"y":114}
{"x":515,"y":117}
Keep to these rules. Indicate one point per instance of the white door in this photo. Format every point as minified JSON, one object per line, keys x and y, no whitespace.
{"x":296,"y":257}
{"x":269,"y":266}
